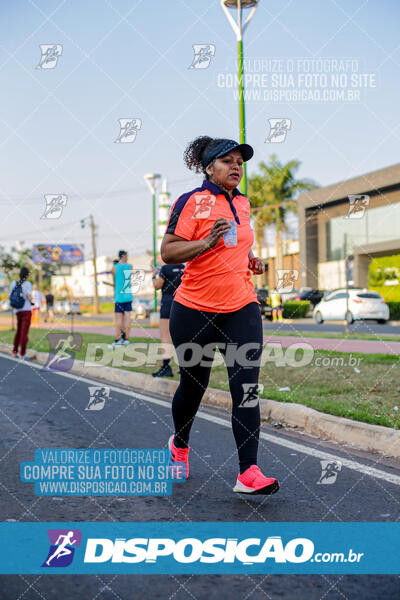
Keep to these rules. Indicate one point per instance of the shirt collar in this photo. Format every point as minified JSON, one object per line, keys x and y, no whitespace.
{"x":215,"y":189}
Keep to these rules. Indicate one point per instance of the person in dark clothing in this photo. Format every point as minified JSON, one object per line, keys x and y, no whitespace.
{"x":167,"y":279}
{"x":49,"y":306}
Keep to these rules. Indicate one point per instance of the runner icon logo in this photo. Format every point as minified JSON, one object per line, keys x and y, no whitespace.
{"x":50,"y":55}
{"x":251,"y":392}
{"x":98,"y":397}
{"x":128,"y":130}
{"x":286,"y":279}
{"x":330,"y":470}
{"x":54,"y":206}
{"x":62,"y":350}
{"x":133,"y":280}
{"x":357,"y":206}
{"x":204,"y":206}
{"x":62,"y":547}
{"x":203,"y":54}
{"x":278,"y":129}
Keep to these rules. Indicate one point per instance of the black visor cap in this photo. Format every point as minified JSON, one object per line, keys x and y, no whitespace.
{"x":224,"y":148}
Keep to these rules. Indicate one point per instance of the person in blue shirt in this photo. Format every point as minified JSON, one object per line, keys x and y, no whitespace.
{"x":123,"y":299}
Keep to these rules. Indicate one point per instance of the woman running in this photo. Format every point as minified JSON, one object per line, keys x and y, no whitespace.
{"x":215,"y":304}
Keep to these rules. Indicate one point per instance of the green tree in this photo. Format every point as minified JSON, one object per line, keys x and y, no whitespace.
{"x":11,"y":262}
{"x":273,"y":192}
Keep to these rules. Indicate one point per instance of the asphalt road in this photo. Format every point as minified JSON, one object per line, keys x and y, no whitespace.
{"x":45,"y":410}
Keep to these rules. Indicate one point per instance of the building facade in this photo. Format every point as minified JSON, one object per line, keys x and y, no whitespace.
{"x":290,"y":263}
{"x":358,"y":219}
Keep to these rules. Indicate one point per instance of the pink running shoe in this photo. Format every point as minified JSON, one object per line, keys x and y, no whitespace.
{"x":252,"y":481}
{"x":179,"y":454}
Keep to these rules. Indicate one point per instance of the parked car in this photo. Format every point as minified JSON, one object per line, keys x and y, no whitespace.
{"x":265,"y":307}
{"x":363,"y":304}
{"x":288,"y":296}
{"x":142,"y":307}
{"x":312,"y":296}
{"x":65,"y":307}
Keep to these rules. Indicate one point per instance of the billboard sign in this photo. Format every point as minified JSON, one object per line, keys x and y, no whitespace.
{"x":58,"y":253}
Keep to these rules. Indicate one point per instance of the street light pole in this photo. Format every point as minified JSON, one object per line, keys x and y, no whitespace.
{"x":239,"y":28}
{"x":96,"y":307}
{"x":152,"y":180}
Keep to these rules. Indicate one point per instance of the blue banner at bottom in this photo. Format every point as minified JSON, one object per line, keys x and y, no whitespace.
{"x":199,"y":548}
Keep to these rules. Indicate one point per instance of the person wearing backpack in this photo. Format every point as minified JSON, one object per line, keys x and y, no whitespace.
{"x":20,"y":294}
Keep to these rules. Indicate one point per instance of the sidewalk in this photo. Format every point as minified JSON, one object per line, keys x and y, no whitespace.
{"x":363,"y":346}
{"x":338,"y":345}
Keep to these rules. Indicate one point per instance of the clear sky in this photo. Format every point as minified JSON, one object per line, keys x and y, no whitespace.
{"x":130,"y":59}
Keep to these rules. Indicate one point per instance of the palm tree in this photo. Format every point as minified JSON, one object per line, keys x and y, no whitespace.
{"x":272,"y":194}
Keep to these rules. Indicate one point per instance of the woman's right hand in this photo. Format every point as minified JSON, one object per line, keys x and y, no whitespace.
{"x":220,"y":227}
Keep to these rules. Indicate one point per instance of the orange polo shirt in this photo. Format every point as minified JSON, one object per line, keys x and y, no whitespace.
{"x":217,"y":280}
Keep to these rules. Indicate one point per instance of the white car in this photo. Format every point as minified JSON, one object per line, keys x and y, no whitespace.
{"x":66,"y":307}
{"x":140,"y":308}
{"x":363,"y":304}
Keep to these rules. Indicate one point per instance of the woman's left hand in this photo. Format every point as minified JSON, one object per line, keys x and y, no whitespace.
{"x":256,"y":265}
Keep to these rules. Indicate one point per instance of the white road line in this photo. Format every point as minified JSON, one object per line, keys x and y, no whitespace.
{"x":350,"y":464}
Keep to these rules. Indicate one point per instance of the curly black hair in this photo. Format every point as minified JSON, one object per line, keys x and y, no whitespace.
{"x":195,"y":151}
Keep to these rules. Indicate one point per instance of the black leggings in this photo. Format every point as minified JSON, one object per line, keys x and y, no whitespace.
{"x":243,"y":326}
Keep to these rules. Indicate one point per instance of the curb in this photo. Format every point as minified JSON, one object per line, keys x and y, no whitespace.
{"x":372,"y":438}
